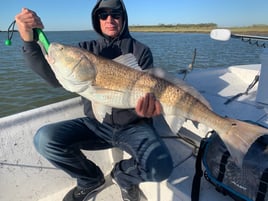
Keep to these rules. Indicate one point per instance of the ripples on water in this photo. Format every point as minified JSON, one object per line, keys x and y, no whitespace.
{"x":21,"y":89}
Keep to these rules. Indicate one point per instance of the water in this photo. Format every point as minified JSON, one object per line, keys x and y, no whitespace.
{"x":21,"y":89}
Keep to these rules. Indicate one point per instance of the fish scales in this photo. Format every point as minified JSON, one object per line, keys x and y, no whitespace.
{"x":116,"y":85}
{"x":116,"y":76}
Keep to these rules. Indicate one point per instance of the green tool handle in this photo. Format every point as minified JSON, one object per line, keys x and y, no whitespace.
{"x":42,"y":39}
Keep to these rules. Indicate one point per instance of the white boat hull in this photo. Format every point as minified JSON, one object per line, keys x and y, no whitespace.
{"x":26,"y":176}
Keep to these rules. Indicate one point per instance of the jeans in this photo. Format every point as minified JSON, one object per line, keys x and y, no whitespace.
{"x":61,"y":143}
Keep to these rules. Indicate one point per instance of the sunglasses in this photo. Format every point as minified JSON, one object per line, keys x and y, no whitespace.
{"x":114,"y":14}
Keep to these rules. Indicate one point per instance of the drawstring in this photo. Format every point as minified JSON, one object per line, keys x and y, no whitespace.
{"x":10,"y":32}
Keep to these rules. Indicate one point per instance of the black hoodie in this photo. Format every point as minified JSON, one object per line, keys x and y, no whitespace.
{"x":106,"y":47}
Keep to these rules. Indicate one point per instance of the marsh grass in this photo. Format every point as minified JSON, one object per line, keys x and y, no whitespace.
{"x":200,"y":28}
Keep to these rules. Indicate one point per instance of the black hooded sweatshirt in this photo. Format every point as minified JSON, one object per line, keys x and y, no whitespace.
{"x":107,"y":47}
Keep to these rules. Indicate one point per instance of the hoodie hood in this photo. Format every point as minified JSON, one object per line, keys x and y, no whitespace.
{"x":112,"y":4}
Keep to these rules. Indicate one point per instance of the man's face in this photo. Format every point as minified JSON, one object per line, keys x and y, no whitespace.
{"x":110,"y":22}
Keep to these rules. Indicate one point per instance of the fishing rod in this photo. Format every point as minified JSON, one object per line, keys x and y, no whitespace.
{"x":41,"y":37}
{"x":225,"y":34}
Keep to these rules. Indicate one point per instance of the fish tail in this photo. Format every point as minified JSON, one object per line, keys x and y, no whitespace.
{"x":240,"y":136}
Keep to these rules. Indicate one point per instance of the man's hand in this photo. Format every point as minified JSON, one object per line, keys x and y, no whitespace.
{"x":148,"y":106}
{"x":27,"y":20}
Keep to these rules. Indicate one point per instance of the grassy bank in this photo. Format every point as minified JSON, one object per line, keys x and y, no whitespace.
{"x":200,"y":28}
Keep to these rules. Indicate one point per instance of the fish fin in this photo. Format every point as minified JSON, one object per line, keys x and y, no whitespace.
{"x":161,"y":73}
{"x":100,"y":111}
{"x":174,"y":122}
{"x":240,"y":137}
{"x":113,"y":98}
{"x":128,"y":60}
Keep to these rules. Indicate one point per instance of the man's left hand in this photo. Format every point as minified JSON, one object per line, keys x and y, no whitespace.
{"x":148,"y":106}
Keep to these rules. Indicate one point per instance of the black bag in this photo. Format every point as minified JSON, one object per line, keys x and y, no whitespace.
{"x":249,"y":183}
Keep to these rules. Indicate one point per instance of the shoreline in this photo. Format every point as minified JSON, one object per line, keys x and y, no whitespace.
{"x":252,"y":30}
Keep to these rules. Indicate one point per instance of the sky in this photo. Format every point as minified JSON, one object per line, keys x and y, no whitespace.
{"x":76,"y":14}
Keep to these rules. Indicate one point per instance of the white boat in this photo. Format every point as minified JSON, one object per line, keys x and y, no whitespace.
{"x":27,"y":176}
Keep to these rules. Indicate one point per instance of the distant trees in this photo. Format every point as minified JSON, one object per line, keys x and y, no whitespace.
{"x":189,"y":25}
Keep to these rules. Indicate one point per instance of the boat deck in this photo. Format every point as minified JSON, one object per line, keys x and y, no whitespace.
{"x":32,"y":178}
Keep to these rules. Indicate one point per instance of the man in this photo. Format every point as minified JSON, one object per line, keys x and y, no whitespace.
{"x":130,"y":130}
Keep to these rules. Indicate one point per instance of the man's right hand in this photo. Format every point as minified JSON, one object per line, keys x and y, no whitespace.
{"x":26,"y":21}
{"x":148,"y":106}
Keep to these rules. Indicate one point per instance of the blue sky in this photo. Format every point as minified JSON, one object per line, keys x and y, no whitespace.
{"x":75,"y":14}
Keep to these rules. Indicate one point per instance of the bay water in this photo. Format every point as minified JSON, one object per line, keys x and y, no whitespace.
{"x":21,"y":89}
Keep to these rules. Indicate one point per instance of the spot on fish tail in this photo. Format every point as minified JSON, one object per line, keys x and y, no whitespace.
{"x":234,"y":124}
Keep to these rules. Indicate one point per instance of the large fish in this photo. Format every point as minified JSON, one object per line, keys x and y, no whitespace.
{"x":109,"y":83}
